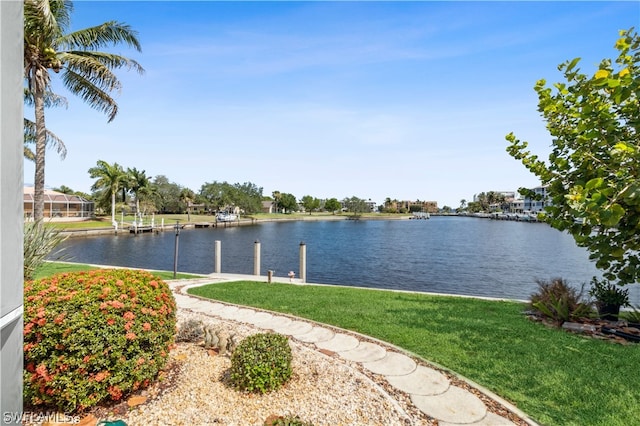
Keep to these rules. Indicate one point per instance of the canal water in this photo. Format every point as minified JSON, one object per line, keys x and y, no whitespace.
{"x":455,"y":255}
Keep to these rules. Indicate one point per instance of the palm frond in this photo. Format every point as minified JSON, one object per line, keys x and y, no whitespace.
{"x":45,"y":20}
{"x":52,"y":141}
{"x":106,"y":34}
{"x":92,"y":70}
{"x":50,"y":99}
{"x":29,"y":154}
{"x":97,"y":98}
{"x":82,"y":58}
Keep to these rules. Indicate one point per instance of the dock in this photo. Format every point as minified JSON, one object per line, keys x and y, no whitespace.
{"x":140,"y":229}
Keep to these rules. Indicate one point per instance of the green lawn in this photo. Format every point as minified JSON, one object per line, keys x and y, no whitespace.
{"x":170,"y":219}
{"x":50,"y":268}
{"x":555,"y":377}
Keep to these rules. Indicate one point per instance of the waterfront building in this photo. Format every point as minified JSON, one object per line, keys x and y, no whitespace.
{"x":532,"y":205}
{"x":57,"y":204}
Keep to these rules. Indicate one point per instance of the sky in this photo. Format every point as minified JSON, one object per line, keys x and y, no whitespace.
{"x":406,"y":100}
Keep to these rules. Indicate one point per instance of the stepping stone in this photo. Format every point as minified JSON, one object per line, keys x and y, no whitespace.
{"x":214,"y":307}
{"x":490,"y":419}
{"x":422,"y":381}
{"x":339,"y":342}
{"x":364,"y":352}
{"x":259,"y":317}
{"x":275,"y":323}
{"x":456,"y":405}
{"x":317,"y":334}
{"x":243,"y":314}
{"x":227,"y":312}
{"x":295,"y":327}
{"x":185,"y":301}
{"x":203,"y":308}
{"x":393,"y":364}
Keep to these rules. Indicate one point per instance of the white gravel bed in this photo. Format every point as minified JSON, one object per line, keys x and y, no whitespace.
{"x":322,"y":391}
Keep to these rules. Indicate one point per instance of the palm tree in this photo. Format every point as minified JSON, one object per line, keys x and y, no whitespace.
{"x":86,"y":72}
{"x":187,"y":196}
{"x":138,"y":183}
{"x":110,"y":178}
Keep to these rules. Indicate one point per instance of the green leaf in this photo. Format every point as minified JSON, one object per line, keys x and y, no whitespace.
{"x":612,"y":82}
{"x":572,"y":64}
{"x":632,"y":194}
{"x":594,"y":183}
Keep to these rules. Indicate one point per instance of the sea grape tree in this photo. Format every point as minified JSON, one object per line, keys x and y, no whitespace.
{"x":592,"y":171}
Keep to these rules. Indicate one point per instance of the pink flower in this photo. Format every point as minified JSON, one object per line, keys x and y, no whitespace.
{"x":130,"y":336}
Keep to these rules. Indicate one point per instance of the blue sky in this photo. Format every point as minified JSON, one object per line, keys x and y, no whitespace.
{"x":407,"y":100}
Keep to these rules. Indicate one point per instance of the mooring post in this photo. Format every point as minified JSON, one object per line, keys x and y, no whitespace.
{"x":256,"y":258}
{"x":303,"y":262}
{"x":218,"y":256}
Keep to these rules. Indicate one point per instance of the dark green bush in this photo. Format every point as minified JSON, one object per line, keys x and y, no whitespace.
{"x":559,"y":302}
{"x":286,"y":421}
{"x":261,"y":363}
{"x":94,"y":336}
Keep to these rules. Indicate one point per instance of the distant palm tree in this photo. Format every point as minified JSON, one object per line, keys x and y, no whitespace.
{"x":110,"y":178}
{"x":86,"y":72}
{"x":138,"y":183}
{"x":187,"y":197}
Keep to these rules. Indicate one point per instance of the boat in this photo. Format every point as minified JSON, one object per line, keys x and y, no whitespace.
{"x":226,"y":217}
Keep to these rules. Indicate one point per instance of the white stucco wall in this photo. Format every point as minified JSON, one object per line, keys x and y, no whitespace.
{"x":11,"y":222}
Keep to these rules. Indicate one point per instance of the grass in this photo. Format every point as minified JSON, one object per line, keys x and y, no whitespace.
{"x":170,"y":219}
{"x":49,"y":268}
{"x":555,"y":377}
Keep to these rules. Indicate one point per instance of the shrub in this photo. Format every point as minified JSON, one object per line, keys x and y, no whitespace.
{"x":94,"y":336}
{"x":606,"y":293}
{"x":39,"y":242}
{"x":190,"y":331}
{"x":633,"y":315}
{"x":559,"y":302}
{"x":286,"y":421}
{"x":261,"y":363}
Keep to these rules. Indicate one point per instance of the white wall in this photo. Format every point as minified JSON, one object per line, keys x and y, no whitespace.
{"x":11,"y":222}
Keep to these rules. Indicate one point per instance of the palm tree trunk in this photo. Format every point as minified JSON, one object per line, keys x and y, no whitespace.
{"x":41,"y":141}
{"x":113,"y":207}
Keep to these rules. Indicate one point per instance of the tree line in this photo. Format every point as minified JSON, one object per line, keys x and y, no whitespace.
{"x":117,"y":189}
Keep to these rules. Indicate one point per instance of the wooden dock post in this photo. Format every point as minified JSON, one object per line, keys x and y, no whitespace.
{"x":256,"y":258}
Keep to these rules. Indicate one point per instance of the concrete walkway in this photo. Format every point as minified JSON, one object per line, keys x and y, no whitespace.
{"x":430,"y":390}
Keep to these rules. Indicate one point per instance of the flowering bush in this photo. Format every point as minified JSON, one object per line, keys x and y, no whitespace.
{"x":94,"y":336}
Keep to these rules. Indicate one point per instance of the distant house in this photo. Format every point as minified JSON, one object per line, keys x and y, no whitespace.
{"x":535,"y":206}
{"x":268,"y":207}
{"x":413,"y":206}
{"x":57,"y":204}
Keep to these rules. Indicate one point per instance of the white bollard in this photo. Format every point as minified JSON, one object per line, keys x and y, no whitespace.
{"x":303,"y":262}
{"x":218,"y":256}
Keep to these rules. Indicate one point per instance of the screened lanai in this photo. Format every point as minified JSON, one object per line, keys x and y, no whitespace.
{"x":57,"y":204}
